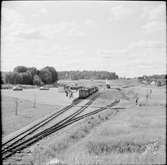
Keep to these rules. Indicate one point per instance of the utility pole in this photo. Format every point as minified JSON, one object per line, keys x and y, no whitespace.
{"x":16,"y":111}
{"x":34,"y":104}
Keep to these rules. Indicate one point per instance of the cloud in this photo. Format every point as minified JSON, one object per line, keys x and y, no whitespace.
{"x":75,"y":32}
{"x":143,"y":56}
{"x":43,"y":10}
{"x":155,"y":17}
{"x":62,"y":30}
{"x":12,"y":21}
{"x":15,"y":27}
{"x":111,"y":54}
{"x":119,"y":12}
{"x":147,"y":44}
{"x":154,"y":26}
{"x":154,"y":12}
{"x":157,"y":13}
{"x":89,"y":22}
{"x":31,"y":35}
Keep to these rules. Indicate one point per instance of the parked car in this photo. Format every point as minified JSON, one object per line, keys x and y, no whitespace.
{"x":17,"y":88}
{"x":44,"y":88}
{"x":108,"y":86}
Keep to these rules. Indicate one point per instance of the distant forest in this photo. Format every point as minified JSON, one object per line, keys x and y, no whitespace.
{"x":49,"y":75}
{"x":152,"y":77}
{"x":76,"y":75}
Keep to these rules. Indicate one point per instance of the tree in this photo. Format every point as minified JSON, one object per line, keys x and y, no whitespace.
{"x":18,"y":78}
{"x":20,"y":69}
{"x":37,"y":80}
{"x":53,"y":72}
{"x":33,"y":71}
{"x":7,"y":77}
{"x":75,"y":75}
{"x":25,"y":75}
{"x":12,"y":78}
{"x":26,"y":78}
{"x":45,"y":75}
{"x":2,"y":81}
{"x":48,"y":75}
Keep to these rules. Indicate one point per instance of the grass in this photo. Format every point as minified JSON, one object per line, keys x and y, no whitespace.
{"x":125,"y":138}
{"x":134,"y":135}
{"x":46,"y":102}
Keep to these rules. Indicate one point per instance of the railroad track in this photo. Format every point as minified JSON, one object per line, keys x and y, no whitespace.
{"x":27,"y":138}
{"x":6,"y":144}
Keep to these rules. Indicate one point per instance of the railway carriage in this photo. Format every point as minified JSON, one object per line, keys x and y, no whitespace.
{"x":86,"y":92}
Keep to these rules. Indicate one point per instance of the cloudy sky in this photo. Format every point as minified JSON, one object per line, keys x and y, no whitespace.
{"x":128,"y":38}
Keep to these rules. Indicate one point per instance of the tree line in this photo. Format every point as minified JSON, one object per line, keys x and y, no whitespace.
{"x":160,"y":79}
{"x":49,"y":75}
{"x":76,"y":75}
{"x":30,"y":76}
{"x":153,"y":77}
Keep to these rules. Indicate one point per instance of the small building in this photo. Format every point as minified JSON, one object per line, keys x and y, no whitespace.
{"x":153,"y":83}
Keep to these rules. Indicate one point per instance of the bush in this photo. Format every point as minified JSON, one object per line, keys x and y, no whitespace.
{"x":27,"y":78}
{"x":48,"y":75}
{"x":37,"y":80}
{"x":30,"y":76}
{"x":20,"y":69}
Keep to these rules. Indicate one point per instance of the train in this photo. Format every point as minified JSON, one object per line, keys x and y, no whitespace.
{"x":86,"y":92}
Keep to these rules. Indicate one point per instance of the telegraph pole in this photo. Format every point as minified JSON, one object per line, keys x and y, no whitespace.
{"x":16,"y":111}
{"x":34,"y":104}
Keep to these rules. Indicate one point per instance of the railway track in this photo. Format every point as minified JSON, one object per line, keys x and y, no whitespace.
{"x":6,"y":144}
{"x":27,"y":137}
{"x":23,"y":143}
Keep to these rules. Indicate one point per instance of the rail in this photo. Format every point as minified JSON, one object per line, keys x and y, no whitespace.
{"x":19,"y":142}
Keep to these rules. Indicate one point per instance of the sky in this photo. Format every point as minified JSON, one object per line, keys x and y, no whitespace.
{"x":126,"y":37}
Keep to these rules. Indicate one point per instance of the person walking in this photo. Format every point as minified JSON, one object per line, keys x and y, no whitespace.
{"x":137,"y":99}
{"x":66,"y":92}
{"x":71,"y":94}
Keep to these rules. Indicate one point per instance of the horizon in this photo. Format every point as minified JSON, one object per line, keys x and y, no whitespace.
{"x":73,"y":36}
{"x":97,"y":71}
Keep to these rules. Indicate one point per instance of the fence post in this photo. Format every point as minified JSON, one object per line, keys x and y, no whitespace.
{"x":16,"y":111}
{"x":34,"y":104}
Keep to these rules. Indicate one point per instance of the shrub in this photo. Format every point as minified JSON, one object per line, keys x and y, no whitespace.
{"x":20,"y":69}
{"x":37,"y":80}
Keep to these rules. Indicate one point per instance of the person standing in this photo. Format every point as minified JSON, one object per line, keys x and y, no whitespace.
{"x":147,"y":96}
{"x":66,"y":90}
{"x":150,"y":93}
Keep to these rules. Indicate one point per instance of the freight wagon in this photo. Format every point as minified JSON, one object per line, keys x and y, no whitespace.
{"x":86,"y":92}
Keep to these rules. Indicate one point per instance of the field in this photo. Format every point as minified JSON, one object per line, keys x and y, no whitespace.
{"x":128,"y":134}
{"x":33,"y":104}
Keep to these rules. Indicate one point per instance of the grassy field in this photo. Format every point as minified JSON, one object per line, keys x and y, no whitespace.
{"x":130,"y":134}
{"x":102,"y":83}
{"x":33,"y":104}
